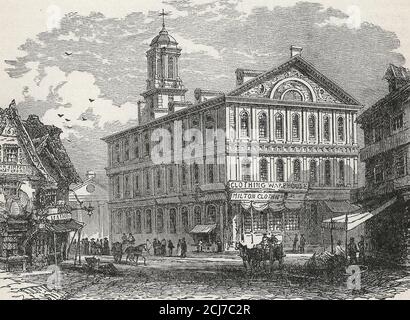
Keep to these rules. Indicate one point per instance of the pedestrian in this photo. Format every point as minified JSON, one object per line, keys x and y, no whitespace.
{"x":361,"y":245}
{"x":179,"y":248}
{"x":148,"y":245}
{"x":183,"y":248}
{"x":86,"y":247}
{"x":295,"y":243}
{"x":164,"y":247}
{"x":131,"y":239}
{"x":92,"y":247}
{"x":302,"y":243}
{"x":170,"y":248}
{"x":155,"y":243}
{"x":200,"y":246}
{"x":124,"y":238}
{"x":352,"y":251}
{"x":106,"y":247}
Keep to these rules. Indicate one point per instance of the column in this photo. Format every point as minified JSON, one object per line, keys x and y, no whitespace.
{"x":354,"y":129}
{"x":272,"y":169}
{"x":254,"y":126}
{"x":305,"y":125}
{"x":271,"y":124}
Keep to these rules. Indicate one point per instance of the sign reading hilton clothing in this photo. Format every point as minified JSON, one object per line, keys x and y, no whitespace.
{"x":257,"y":196}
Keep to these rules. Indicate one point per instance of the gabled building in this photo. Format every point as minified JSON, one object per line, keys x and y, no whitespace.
{"x":35,"y":174}
{"x":288,"y":152}
{"x":386,"y":156}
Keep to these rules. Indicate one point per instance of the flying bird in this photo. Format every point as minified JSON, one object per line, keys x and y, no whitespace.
{"x":69,"y":127}
{"x":67,"y":120}
{"x":84,"y":119}
{"x":68,"y":53}
{"x":68,"y":140}
{"x":91,"y":100}
{"x":60,"y":115}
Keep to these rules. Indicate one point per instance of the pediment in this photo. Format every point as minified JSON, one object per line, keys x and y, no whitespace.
{"x":294,"y":80}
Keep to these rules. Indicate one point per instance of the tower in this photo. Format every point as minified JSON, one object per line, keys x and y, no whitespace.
{"x":164,"y":85}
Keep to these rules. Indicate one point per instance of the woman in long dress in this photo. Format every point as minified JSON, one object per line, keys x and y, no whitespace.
{"x":179,"y":248}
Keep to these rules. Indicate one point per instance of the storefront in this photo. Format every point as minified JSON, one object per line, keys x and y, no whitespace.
{"x":270,"y":208}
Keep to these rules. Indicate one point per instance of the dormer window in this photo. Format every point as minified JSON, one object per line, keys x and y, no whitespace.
{"x":11,"y":154}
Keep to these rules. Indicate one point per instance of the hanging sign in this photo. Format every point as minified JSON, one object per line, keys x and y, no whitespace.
{"x":257,"y":196}
{"x":269,"y":186}
{"x":58,"y":217}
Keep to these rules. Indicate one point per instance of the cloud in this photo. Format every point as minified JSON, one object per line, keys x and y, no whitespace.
{"x":108,"y":60}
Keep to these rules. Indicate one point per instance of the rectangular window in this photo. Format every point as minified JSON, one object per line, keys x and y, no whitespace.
{"x":117,"y":155}
{"x":291,"y":221}
{"x":148,"y":179}
{"x":117,"y":187}
{"x":400,"y":163}
{"x":171,"y":176}
{"x":397,"y":123}
{"x":136,"y":185}
{"x":172,"y":221}
{"x":126,"y":150}
{"x":127,"y":187}
{"x":210,"y":171}
{"x":136,"y":147}
{"x":11,"y":153}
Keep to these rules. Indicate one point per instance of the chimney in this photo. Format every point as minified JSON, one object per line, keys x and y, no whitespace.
{"x":295,"y":51}
{"x":90,"y":174}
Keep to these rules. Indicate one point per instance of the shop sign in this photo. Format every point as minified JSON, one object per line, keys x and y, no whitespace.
{"x":58,"y":217}
{"x":257,"y":196}
{"x":15,"y":169}
{"x":269,"y":186}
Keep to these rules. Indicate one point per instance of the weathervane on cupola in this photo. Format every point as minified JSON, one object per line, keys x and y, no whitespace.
{"x":163,"y":14}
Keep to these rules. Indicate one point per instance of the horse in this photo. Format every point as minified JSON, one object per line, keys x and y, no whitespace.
{"x":253,"y":257}
{"x":134,"y":252}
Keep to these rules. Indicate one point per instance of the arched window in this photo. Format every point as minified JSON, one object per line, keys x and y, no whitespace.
{"x":147,"y":145}
{"x":328,"y":173}
{"x":209,"y":121}
{"x":197,"y":215}
{"x":159,"y":178}
{"x":246,"y":170}
{"x":171,"y":67}
{"x":341,"y":172}
{"x":136,"y":146}
{"x":263,"y":125}
{"x":148,"y":221}
{"x":126,"y":149}
{"x":295,"y":126}
{"x":340,"y":129}
{"x":312,"y":127}
{"x":159,"y":68}
{"x":184,"y":219}
{"x":210,"y":167}
{"x":148,"y":179}
{"x":279,"y":126}
{"x":138,"y":222}
{"x":292,"y":95}
{"x":211,"y":214}
{"x":326,"y":128}
{"x":172,"y":220}
{"x":183,"y":174}
{"x":312,"y":172}
{"x":196,"y":173}
{"x":160,"y":220}
{"x":279,"y":170}
{"x":263,"y":169}
{"x":296,"y":170}
{"x":244,"y":124}
{"x":128,"y":221}
{"x":171,"y":176}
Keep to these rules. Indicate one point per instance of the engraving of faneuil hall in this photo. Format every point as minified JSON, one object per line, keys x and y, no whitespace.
{"x":288,"y":125}
{"x":204,"y":150}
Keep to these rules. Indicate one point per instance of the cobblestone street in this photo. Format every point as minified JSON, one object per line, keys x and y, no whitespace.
{"x":219,"y":277}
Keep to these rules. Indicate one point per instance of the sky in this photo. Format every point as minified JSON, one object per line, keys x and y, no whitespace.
{"x":57,"y":55}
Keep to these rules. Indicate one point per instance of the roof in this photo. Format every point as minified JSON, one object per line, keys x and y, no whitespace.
{"x":203,"y":228}
{"x":163,"y":38}
{"x":43,"y":146}
{"x":397,"y":72}
{"x":356,"y":219}
{"x":342,"y":206}
{"x":300,"y":63}
{"x":54,"y":156}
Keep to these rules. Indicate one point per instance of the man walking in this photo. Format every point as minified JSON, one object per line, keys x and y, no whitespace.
{"x":361,"y":246}
{"x":183,"y":248}
{"x":170,"y":248}
{"x":302,"y":243}
{"x":295,"y":243}
{"x":352,"y":251}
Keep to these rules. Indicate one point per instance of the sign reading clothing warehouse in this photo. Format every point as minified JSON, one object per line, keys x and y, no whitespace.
{"x":269,"y":186}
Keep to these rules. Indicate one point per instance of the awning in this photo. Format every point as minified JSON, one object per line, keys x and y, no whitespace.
{"x":66,"y":226}
{"x":213,"y":197}
{"x":355,"y":219}
{"x":342,"y":207}
{"x":260,"y":206}
{"x":203,"y":228}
